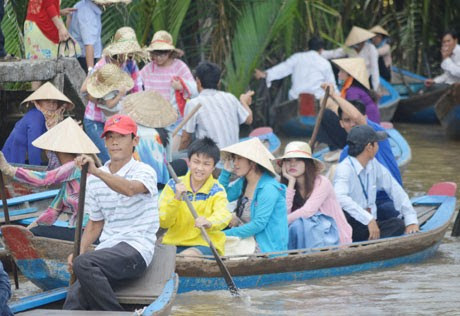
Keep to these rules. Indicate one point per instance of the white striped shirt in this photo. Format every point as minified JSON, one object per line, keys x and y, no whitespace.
{"x":132,"y":219}
{"x":219,"y":117}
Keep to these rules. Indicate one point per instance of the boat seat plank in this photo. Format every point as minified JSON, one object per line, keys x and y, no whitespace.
{"x":28,"y":221}
{"x":19,"y":212}
{"x":146,"y":288}
{"x":14,"y":218}
{"x":30,"y":197}
{"x":50,"y":312}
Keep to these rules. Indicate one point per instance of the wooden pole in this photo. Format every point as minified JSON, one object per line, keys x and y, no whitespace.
{"x":319,"y":118}
{"x":6,"y":213}
{"x":186,"y":119}
{"x":79,"y":223}
{"x":223,"y":269}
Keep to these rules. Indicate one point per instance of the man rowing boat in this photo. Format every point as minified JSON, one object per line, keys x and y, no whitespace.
{"x":122,"y":204}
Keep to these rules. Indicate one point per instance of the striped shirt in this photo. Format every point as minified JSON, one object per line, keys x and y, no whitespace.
{"x":130,"y":219}
{"x":159,"y":78}
{"x":219,"y":117}
{"x":92,"y":111}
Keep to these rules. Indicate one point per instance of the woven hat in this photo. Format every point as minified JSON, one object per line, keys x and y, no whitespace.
{"x":358,"y":35}
{"x":149,"y":108}
{"x":107,"y":79}
{"x":161,"y":40}
{"x":66,"y":137}
{"x":251,"y":149}
{"x":301,"y":150}
{"x":49,"y":92}
{"x":124,"y":42}
{"x":109,"y":2}
{"x":355,"y":67}
{"x":379,"y":30}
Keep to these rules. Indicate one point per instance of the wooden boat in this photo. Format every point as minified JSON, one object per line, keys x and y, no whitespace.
{"x":399,"y":146}
{"x":434,"y":212}
{"x":415,"y":105}
{"x":42,"y":261}
{"x":297,"y":118}
{"x":447,"y":111}
{"x":268,"y":138}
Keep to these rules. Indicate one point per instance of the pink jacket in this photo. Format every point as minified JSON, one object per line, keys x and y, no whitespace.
{"x":322,"y":199}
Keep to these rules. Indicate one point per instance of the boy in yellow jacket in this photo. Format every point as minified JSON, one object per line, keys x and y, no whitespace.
{"x":207,"y":196}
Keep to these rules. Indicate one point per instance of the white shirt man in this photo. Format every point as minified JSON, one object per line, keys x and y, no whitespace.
{"x":451,"y":67}
{"x":357,"y":180}
{"x":308,"y":70}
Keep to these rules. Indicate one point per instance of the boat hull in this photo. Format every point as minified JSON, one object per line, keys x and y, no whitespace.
{"x":448,"y":111}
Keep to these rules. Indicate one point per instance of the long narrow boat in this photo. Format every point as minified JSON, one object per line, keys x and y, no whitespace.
{"x":447,"y":111}
{"x":434,"y":211}
{"x":42,"y":261}
{"x":267,"y":137}
{"x":47,"y":268}
{"x":289,"y":118}
{"x":414,"y":106}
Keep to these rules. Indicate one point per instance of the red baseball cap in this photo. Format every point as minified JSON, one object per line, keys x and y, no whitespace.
{"x":121,"y":124}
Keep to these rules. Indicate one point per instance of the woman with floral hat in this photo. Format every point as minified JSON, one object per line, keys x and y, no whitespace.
{"x":314,"y":215}
{"x":122,"y":52}
{"x":261,"y":200}
{"x":169,"y":76}
{"x":49,"y":107}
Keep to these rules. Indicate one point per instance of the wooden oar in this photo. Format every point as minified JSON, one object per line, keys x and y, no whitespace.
{"x":223,"y":269}
{"x":6,"y":214}
{"x":318,"y":120}
{"x":79,"y":223}
{"x":186,"y":119}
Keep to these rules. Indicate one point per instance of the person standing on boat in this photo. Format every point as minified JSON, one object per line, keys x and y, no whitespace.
{"x":450,"y":52}
{"x":207,"y":196}
{"x":358,"y":46}
{"x":59,"y":140}
{"x":308,"y":71}
{"x":314,"y":215}
{"x":261,"y":200}
{"x":121,"y":198}
{"x":220,"y":115}
{"x":382,"y":43}
{"x":5,"y":293}
{"x":357,"y":180}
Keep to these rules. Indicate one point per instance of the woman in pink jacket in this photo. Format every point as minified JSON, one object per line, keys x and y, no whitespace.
{"x":314,"y":215}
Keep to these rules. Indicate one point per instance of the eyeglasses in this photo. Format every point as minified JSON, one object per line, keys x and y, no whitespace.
{"x":160,"y":52}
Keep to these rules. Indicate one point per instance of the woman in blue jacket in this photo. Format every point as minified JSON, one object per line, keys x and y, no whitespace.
{"x":261,"y":199}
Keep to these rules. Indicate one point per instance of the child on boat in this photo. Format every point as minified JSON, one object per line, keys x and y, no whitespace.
{"x":357,"y":180}
{"x":207,"y":196}
{"x":314,"y":215}
{"x":169,"y":76}
{"x":61,"y":140}
{"x":261,"y":200}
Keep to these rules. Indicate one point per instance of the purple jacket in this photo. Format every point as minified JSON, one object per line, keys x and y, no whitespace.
{"x":357,"y":93}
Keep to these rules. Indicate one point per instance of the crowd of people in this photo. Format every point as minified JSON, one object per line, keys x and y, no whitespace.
{"x":139,"y":120}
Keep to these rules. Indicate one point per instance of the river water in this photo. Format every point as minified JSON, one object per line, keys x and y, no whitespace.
{"x":427,"y":288}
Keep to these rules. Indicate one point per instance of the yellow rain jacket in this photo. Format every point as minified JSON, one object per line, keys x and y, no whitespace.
{"x":210,"y":202}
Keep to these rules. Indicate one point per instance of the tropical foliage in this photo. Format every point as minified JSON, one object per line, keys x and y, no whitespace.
{"x":242,"y":35}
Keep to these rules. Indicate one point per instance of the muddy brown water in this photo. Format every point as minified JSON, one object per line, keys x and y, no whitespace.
{"x":428,"y":288}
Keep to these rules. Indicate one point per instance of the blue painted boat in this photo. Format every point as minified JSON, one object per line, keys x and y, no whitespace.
{"x":43,"y":261}
{"x":295,"y":125}
{"x":267,"y":137}
{"x":399,"y":146}
{"x":448,"y":111}
{"x":416,"y":105}
{"x":434,"y":212}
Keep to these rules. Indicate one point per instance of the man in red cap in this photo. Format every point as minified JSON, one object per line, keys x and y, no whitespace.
{"x":121,"y":199}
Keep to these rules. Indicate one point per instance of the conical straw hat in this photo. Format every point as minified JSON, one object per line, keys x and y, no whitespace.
{"x":355,"y":67}
{"x":379,"y":30}
{"x":124,"y":42}
{"x":106,"y":79}
{"x":49,"y":92}
{"x":251,"y":149}
{"x":358,"y":35}
{"x":150,"y":109}
{"x":66,"y":137}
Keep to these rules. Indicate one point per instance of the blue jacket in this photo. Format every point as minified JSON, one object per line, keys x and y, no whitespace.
{"x":268,"y":224}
